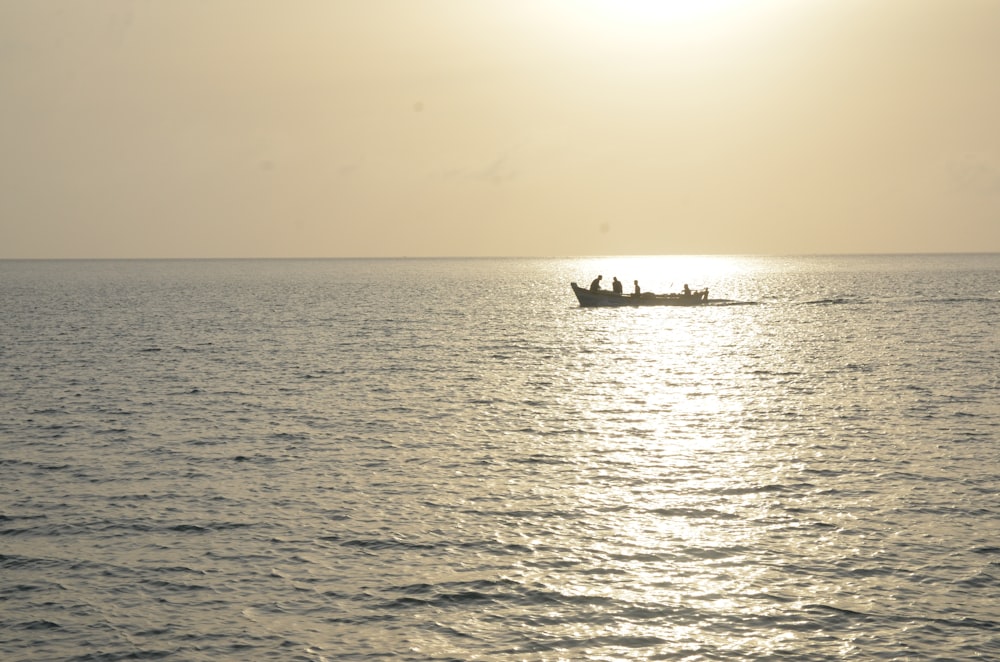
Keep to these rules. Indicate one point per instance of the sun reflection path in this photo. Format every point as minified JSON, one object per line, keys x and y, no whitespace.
{"x":679,"y":496}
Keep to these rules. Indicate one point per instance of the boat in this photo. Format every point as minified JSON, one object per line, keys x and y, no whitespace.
{"x":590,"y":299}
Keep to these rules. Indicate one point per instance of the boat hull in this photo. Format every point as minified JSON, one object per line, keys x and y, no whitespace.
{"x":605,"y":298}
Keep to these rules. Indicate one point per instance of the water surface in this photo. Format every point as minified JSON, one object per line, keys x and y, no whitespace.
{"x":450,"y":459}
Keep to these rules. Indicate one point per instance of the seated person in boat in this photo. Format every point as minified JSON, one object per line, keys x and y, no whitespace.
{"x":595,"y":285}
{"x":616,"y":285}
{"x":687,"y":290}
{"x":637,"y":290}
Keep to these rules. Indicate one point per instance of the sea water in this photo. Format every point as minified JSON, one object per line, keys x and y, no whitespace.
{"x":451,"y":460}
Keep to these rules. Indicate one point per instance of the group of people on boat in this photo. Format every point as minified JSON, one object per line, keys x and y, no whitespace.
{"x":616,"y":286}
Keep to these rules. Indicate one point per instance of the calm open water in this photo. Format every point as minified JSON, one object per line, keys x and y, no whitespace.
{"x":450,"y":460}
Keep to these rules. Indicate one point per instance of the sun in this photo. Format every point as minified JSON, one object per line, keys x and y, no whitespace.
{"x":652,"y":12}
{"x":645,"y":27}
{"x":646,"y":22}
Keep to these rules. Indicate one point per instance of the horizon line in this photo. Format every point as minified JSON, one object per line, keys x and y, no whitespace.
{"x":493,"y":257}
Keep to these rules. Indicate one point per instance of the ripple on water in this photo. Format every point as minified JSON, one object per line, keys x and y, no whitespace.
{"x":244,"y":462}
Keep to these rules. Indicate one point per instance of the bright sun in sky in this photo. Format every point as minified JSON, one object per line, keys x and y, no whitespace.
{"x":641,"y":20}
{"x":645,"y":11}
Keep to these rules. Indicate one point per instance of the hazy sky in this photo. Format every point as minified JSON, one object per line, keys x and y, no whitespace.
{"x":252,"y":128}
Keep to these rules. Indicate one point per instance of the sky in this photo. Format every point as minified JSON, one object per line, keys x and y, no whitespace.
{"x":387,"y":128}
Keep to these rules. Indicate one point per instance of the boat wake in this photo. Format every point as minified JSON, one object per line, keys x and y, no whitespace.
{"x":731,"y":302}
{"x":834,"y":301}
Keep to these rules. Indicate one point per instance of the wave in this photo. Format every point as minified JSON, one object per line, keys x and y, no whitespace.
{"x":833,"y":301}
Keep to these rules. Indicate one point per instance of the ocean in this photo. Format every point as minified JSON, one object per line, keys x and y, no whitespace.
{"x":450,"y":459}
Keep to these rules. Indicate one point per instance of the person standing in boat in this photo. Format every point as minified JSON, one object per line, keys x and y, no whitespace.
{"x":616,"y":285}
{"x":595,"y":285}
{"x":637,"y":292}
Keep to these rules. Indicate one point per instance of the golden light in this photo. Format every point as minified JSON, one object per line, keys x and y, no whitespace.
{"x":651,"y":12}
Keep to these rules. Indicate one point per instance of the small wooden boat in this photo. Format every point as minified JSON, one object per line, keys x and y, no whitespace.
{"x":589,"y":299}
